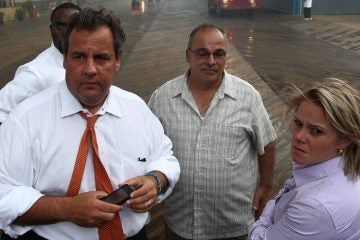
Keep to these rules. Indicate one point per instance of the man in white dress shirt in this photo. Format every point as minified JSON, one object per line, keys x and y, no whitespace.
{"x":43,"y":71}
{"x":40,"y":143}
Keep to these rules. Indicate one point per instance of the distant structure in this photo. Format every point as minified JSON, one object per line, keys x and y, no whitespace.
{"x":321,"y":7}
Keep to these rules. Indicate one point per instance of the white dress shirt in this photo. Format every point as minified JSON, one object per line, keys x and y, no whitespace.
{"x":39,"y":144}
{"x":31,"y":78}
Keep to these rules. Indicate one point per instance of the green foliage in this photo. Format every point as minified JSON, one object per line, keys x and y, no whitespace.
{"x":19,"y":14}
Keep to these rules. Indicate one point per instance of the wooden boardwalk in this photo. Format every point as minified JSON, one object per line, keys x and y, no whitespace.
{"x":156,"y":58}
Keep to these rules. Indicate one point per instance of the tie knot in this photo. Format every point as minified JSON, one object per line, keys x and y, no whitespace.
{"x":90,"y":120}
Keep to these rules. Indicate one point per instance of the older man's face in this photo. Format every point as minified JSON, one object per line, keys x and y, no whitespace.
{"x":91,"y":65}
{"x":208,"y":70}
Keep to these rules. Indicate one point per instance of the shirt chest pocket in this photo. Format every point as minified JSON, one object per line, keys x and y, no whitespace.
{"x":226,"y":142}
{"x":128,"y":164}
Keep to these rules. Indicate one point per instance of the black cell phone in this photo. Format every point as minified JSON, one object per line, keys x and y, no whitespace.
{"x":119,"y":196}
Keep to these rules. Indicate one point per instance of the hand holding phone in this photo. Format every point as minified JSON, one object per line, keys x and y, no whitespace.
{"x":119,"y":196}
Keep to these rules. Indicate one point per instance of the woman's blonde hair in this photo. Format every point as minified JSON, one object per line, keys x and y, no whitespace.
{"x":341,"y":103}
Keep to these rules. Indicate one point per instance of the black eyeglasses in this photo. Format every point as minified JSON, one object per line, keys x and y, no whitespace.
{"x":203,"y":53}
{"x":60,"y":26}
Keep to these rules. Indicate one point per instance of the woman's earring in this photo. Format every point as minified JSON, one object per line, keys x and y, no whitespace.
{"x":340,"y":152}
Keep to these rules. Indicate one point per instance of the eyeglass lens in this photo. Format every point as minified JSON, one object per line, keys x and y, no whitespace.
{"x":60,"y":25}
{"x":204,"y":53}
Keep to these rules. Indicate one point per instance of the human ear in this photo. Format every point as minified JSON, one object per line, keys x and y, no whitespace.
{"x":344,"y":143}
{"x":117,"y":63}
{"x":187,"y":53}
{"x":64,"y":61}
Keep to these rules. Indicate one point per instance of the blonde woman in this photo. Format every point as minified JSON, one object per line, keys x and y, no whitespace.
{"x":322,"y":199}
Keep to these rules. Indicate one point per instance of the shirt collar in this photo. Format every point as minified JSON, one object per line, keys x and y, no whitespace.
{"x":58,"y":55}
{"x":312,"y":173}
{"x":226,"y":87}
{"x":70,"y":105}
{"x":181,"y":86}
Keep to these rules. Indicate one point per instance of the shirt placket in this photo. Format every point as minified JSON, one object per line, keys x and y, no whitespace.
{"x":199,"y":182}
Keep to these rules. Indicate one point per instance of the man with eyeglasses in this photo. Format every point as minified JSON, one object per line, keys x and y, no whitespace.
{"x":43,"y":71}
{"x":223,"y":139}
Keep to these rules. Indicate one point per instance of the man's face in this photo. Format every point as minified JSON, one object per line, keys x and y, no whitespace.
{"x":58,"y":26}
{"x":207,"y":70}
{"x":91,"y":65}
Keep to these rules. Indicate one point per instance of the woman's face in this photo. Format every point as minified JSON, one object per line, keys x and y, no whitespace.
{"x":314,"y":139}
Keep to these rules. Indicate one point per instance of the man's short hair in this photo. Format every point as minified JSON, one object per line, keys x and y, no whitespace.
{"x":66,"y":5}
{"x":201,"y":27}
{"x":90,"y":20}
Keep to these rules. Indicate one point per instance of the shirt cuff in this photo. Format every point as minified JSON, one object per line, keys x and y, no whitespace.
{"x":259,"y":228}
{"x":14,"y":204}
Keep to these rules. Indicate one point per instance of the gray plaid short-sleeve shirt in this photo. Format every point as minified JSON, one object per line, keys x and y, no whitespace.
{"x":217,"y":156}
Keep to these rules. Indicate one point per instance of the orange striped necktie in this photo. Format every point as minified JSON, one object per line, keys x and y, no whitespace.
{"x":112,"y":230}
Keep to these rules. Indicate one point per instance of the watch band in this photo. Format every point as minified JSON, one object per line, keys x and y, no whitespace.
{"x":157,"y":179}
